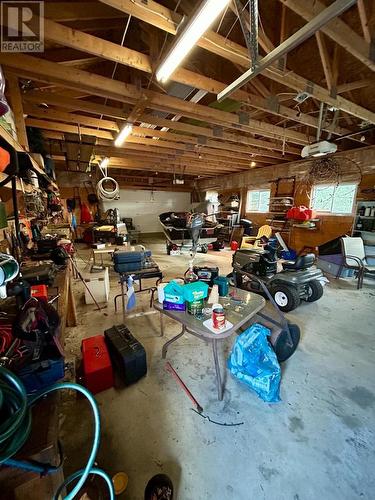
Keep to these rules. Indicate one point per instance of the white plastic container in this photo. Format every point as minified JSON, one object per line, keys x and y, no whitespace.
{"x":98,"y":283}
{"x":161,"y":292}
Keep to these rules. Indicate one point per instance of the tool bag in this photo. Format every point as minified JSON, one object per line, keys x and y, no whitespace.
{"x":127,"y":353}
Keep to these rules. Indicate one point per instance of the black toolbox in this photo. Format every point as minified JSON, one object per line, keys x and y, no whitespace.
{"x":127,"y":354}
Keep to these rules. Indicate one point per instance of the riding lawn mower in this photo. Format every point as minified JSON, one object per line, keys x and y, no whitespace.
{"x":288,"y":281}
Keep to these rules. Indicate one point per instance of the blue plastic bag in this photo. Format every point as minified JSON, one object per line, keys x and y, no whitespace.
{"x":254,"y":362}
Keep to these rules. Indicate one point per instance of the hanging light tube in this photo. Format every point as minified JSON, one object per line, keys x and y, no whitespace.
{"x":207,"y":13}
{"x":123,"y":134}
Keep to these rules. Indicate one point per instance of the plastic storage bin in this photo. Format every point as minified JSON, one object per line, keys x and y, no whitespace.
{"x":98,"y":284}
{"x":41,"y":374}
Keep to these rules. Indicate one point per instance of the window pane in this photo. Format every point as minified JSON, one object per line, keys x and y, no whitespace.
{"x":343,"y":199}
{"x":253,"y":201}
{"x":323,"y":198}
{"x":264,"y":201}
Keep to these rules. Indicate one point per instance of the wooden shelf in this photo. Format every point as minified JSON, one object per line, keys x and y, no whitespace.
{"x":17,"y":147}
{"x":21,"y":186}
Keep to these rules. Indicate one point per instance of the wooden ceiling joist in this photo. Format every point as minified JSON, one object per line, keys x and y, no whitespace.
{"x":268,"y":149}
{"x":324,"y":57}
{"x":220,"y":156}
{"x":79,"y":11}
{"x":167,"y":20}
{"x":237,"y":151}
{"x":32,"y":67}
{"x":337,"y":30}
{"x":77,"y":40}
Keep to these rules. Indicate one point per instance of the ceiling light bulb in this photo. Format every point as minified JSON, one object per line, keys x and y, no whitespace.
{"x":199,"y":24}
{"x":253,"y":164}
{"x":125,"y":132}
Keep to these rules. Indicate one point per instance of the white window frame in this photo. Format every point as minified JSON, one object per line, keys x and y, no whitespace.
{"x":248,"y":210}
{"x":335,"y":186}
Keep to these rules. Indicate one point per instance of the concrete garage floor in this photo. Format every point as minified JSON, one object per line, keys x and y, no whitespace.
{"x":316,"y":443}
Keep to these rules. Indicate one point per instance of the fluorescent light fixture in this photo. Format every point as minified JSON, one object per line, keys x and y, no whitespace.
{"x":124,"y":133}
{"x":196,"y":27}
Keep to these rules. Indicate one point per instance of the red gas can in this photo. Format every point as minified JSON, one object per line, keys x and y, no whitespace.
{"x":97,"y":367}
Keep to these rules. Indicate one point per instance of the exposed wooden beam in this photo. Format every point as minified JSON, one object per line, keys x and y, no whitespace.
{"x":114,"y":89}
{"x":65,"y":127}
{"x":283,"y":23}
{"x":358,"y":84}
{"x":209,"y":154}
{"x":102,"y":48}
{"x":336,"y":65}
{"x":117,"y":113}
{"x":161,"y":157}
{"x":364,"y":20}
{"x":337,"y":30}
{"x":165,"y":19}
{"x":233,"y":150}
{"x":84,"y":42}
{"x":77,"y":11}
{"x":70,"y":118}
{"x":17,"y":108}
{"x":324,"y":57}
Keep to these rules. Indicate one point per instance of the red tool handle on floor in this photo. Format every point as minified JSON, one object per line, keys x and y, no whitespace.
{"x":174,"y":374}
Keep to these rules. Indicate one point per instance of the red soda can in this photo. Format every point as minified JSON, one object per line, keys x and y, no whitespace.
{"x":218,"y":318}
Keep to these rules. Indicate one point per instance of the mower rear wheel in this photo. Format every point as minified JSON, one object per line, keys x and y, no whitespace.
{"x":286,"y":298}
{"x":281,"y":342}
{"x":315,"y":291}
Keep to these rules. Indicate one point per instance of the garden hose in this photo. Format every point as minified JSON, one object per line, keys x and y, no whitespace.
{"x":105,"y":194}
{"x":15,"y":427}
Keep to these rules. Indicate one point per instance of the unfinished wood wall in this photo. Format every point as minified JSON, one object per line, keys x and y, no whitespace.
{"x":330,"y":226}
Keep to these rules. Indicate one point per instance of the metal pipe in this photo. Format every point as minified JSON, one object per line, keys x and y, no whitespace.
{"x":334,"y":10}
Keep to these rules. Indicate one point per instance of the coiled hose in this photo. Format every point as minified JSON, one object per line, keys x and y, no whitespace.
{"x":15,"y":427}
{"x":104,"y":194}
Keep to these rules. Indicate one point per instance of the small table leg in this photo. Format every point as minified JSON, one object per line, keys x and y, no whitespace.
{"x":218,"y":374}
{"x":161,"y":325}
{"x":167,"y":344}
{"x":123,"y":299}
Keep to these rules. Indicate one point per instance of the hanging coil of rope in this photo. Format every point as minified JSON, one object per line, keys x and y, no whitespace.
{"x":105,"y":193}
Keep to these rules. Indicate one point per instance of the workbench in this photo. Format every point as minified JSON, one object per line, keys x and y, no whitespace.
{"x":42,"y":444}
